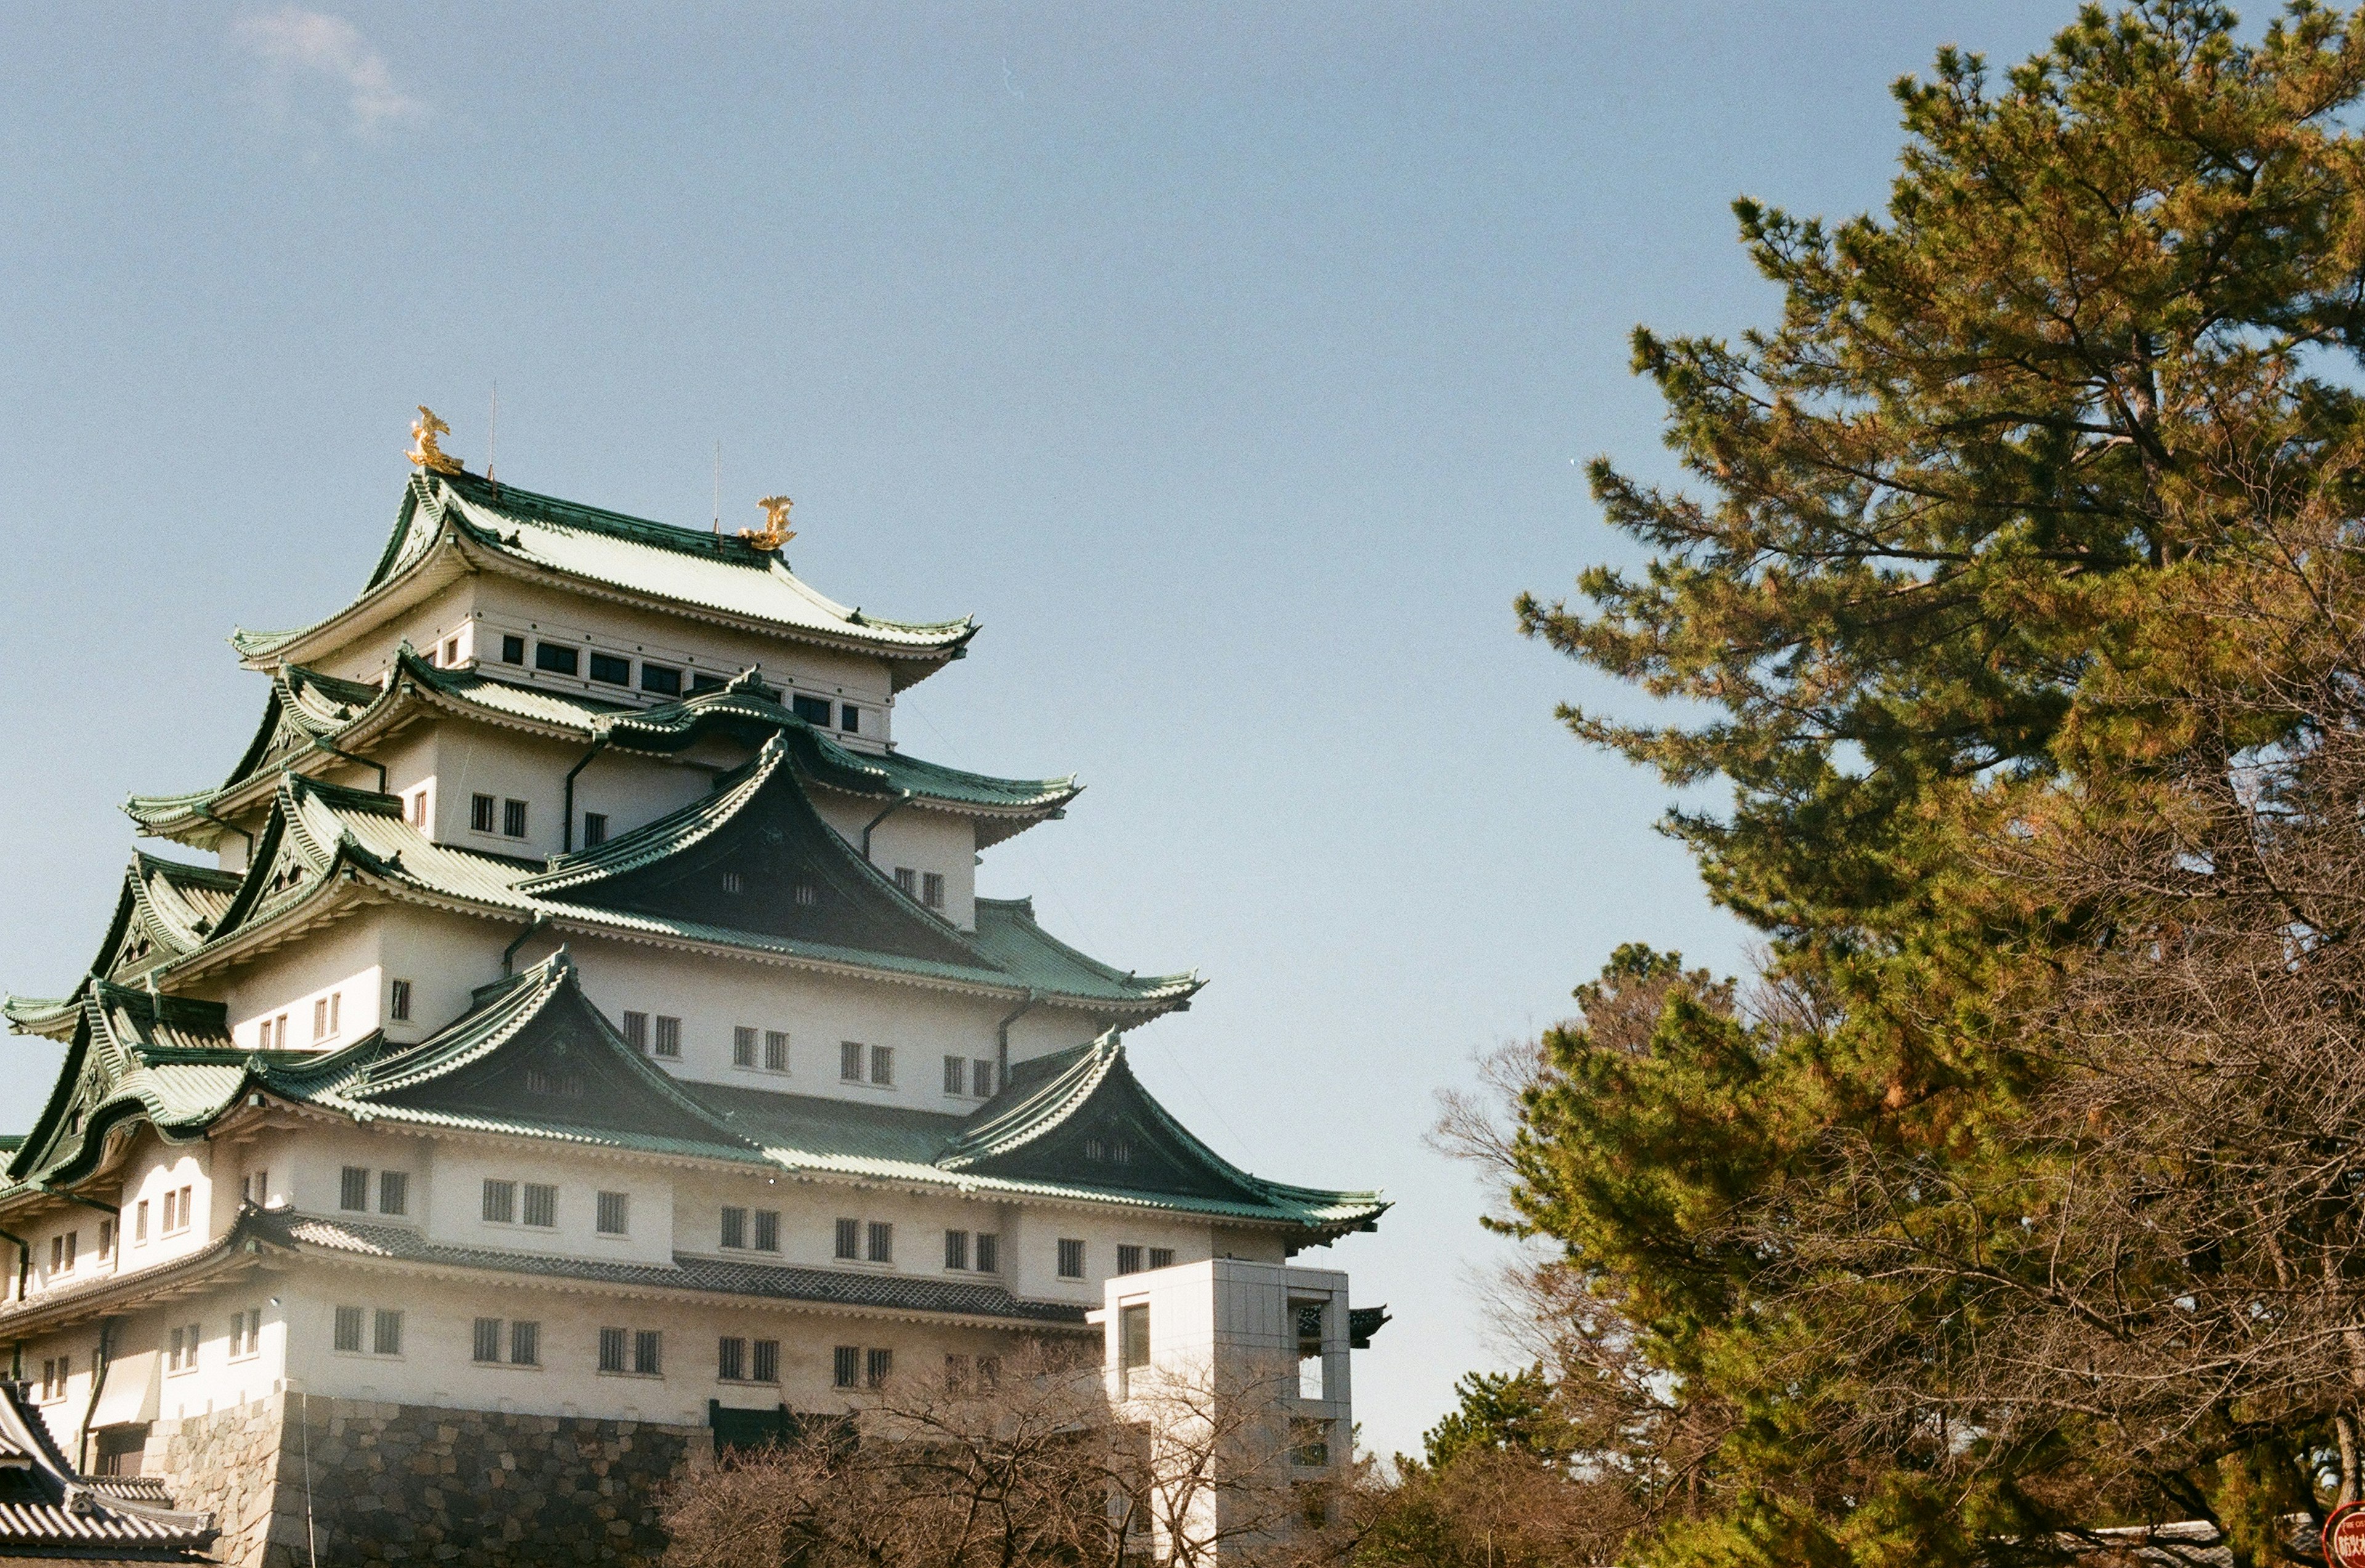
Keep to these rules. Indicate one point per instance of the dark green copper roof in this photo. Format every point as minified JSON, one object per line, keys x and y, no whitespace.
{"x":535,"y":1059}
{"x":708,"y":576}
{"x":668,"y":879}
{"x":309,"y":718}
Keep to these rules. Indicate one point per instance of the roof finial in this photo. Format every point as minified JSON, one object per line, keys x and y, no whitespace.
{"x":775,"y":531}
{"x":424,"y":452}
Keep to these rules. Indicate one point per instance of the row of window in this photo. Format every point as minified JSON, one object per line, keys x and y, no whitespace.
{"x":353,"y":1190}
{"x":737,"y":1232}
{"x":623,"y":1352}
{"x":658,"y":679}
{"x":1130,"y":1259}
{"x":481,"y":809}
{"x":969,"y":1077}
{"x":928,"y":886}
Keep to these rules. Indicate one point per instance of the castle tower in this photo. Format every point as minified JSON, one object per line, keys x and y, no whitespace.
{"x":585,"y":1040}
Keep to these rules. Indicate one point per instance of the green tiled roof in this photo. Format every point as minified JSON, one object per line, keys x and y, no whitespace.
{"x":319,"y":830}
{"x":692,"y":571}
{"x":309,"y":712}
{"x":535,"y":1059}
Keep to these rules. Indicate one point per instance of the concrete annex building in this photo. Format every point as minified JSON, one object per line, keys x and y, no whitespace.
{"x":587,"y":1034}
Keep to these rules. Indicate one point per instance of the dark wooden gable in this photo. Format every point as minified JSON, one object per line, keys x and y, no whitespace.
{"x":776,"y":868}
{"x":1116,"y":1139}
{"x":563,"y":1067}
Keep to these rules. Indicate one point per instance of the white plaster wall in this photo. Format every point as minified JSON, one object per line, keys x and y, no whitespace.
{"x":437,"y":1364}
{"x":714,"y":996}
{"x":343,"y":958}
{"x":1030,"y":1263}
{"x":922,"y":840}
{"x":455,"y":1209}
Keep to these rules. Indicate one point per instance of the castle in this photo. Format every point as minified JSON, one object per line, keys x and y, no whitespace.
{"x":586,"y":1045}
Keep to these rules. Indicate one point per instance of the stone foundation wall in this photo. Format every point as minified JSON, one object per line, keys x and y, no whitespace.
{"x":409,"y":1483}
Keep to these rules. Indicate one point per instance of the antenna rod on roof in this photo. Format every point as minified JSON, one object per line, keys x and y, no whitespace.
{"x":493,"y":429}
{"x":718,"y":488}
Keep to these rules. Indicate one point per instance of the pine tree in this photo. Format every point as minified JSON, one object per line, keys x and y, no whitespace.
{"x":1942,"y":577}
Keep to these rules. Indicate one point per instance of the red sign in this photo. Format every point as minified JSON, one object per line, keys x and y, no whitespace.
{"x":2344,"y":1536}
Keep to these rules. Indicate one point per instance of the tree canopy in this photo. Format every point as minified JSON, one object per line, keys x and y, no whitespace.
{"x":2017,"y":576}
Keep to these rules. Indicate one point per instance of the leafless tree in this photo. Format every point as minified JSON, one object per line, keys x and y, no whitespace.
{"x":1036,"y":1464}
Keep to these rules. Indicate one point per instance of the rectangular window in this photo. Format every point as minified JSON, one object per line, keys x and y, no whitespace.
{"x":480,"y":814}
{"x":849,"y":1060}
{"x":956,"y":1075}
{"x":615,"y":1210}
{"x":320,"y":1018}
{"x":846,"y":1365}
{"x":849,"y":718}
{"x":879,"y":1242}
{"x":989,"y":1253}
{"x":398,"y":1006}
{"x":595,"y":829}
{"x":180,"y":1355}
{"x":335,"y":998}
{"x":615,"y":1345}
{"x":352,"y":1188}
{"x":732,"y":882}
{"x":1161,"y":1257}
{"x":767,"y":1364}
{"x":956,"y":1250}
{"x":663,"y":679}
{"x":735,"y":1226}
{"x":170,"y":1198}
{"x":451,"y":651}
{"x":501,"y":1202}
{"x":513,"y":819}
{"x":699,"y":683}
{"x":416,"y":812}
{"x":743,"y":1046}
{"x":246,"y":1332}
{"x":385,"y":1332}
{"x":877,"y":1366}
{"x":767,"y":1230}
{"x":139,"y":1223}
{"x":956,"y":1374}
{"x":512,"y":650}
{"x":610,"y":670}
{"x":1071,"y":1258}
{"x":393,"y":1192}
{"x":489,"y":1340}
{"x":849,"y":1239}
{"x":106,"y":1239}
{"x":932,"y":889}
{"x":556,"y":658}
{"x":648,"y":1353}
{"x":282,"y":1041}
{"x":57,"y":1254}
{"x":1128,"y":1259}
{"x":980,"y":1079}
{"x":731,"y":1359}
{"x":636,"y":1031}
{"x":776,"y":1051}
{"x":348,"y":1330}
{"x":188,"y":1208}
{"x":812,"y":709}
{"x":1132,"y":1340}
{"x":907,"y":881}
{"x":540,"y":1208}
{"x":668,"y":1036}
{"x":525,"y":1343}
{"x":258,"y":1188}
{"x":805,"y":893}
{"x":883,"y":1064}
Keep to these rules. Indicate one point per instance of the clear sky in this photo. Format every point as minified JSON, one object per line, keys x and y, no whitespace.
{"x":1232,"y":363}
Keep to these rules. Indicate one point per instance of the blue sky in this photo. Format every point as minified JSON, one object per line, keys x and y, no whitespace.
{"x":1232,"y":363}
